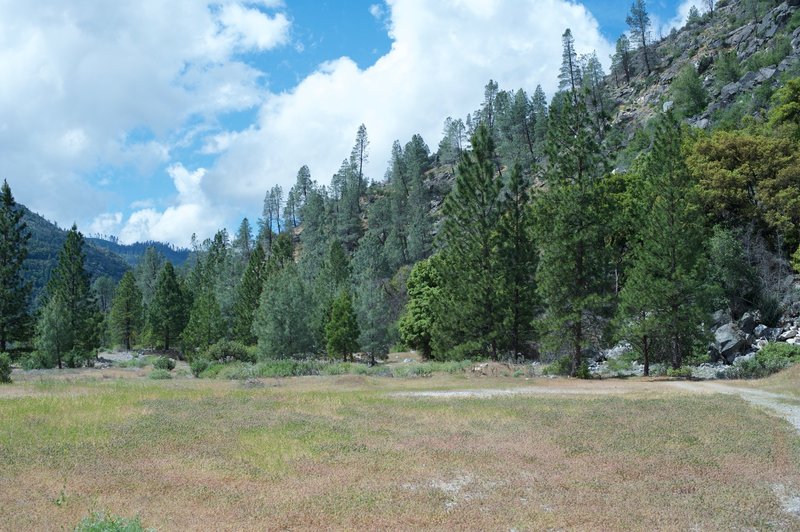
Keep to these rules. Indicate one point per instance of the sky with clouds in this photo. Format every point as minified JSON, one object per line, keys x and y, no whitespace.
{"x":155,"y":120}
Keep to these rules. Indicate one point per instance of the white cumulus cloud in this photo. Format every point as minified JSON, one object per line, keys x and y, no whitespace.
{"x":442,"y":55}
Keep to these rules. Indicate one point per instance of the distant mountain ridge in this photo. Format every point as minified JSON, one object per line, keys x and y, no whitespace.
{"x":132,"y":253}
{"x":103,"y":257}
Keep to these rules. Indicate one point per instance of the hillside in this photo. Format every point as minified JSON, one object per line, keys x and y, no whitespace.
{"x":132,"y":253}
{"x":103,"y":258}
{"x":741,"y":54}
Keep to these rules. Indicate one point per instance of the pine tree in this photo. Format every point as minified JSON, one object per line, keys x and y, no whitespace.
{"x":341,"y":331}
{"x":146,"y":273}
{"x":281,"y":322}
{"x":69,"y":282}
{"x":418,"y":322}
{"x":55,"y":337}
{"x":14,"y":291}
{"x":126,"y":311}
{"x":638,"y":20}
{"x":167,"y":314}
{"x":248,"y":295}
{"x":539,"y":111}
{"x":359,"y":158}
{"x":205,"y":326}
{"x":665,"y":293}
{"x":569,"y":77}
{"x":622,"y":58}
{"x":572,"y":266}
{"x":517,"y":264}
{"x":470,"y":317}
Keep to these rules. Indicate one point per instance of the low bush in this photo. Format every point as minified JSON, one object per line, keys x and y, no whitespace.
{"x":164,"y":363}
{"x":104,"y":522}
{"x":199,"y":366}
{"x":774,"y":357}
{"x":228,"y":351}
{"x":561,"y":366}
{"x":160,"y":374}
{"x":5,"y":368}
{"x":683,"y":372}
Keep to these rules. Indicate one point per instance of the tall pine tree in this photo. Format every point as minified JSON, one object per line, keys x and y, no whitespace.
{"x":14,"y":290}
{"x":571,"y":275}
{"x":666,"y":295}
{"x":126,"y":311}
{"x":167,"y":314}
{"x":69,"y":282}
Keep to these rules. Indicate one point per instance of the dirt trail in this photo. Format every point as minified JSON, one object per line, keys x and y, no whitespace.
{"x":784,"y":406}
{"x":781,"y":405}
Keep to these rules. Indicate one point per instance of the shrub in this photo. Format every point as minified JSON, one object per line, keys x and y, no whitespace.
{"x":228,"y":351}
{"x":583,"y":371}
{"x":160,"y":374}
{"x":688,"y":93}
{"x":771,"y":359}
{"x":199,"y":366}
{"x":287,"y":368}
{"x":770,"y":56}
{"x":103,"y":522}
{"x":5,"y":367}
{"x":561,"y":366}
{"x":164,"y":363}
{"x":683,"y":372}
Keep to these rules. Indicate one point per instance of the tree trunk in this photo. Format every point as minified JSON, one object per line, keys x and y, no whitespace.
{"x":646,"y":354}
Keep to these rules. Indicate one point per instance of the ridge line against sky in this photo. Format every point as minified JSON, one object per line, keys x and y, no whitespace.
{"x":155,"y":120}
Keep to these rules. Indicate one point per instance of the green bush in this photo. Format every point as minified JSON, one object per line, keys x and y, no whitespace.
{"x":771,"y":56}
{"x":160,"y":374}
{"x":5,"y":367}
{"x":103,"y":522}
{"x":774,"y":357}
{"x":583,"y":371}
{"x":683,"y":372}
{"x":561,"y":366}
{"x":164,"y":363}
{"x":228,"y":351}
{"x":199,"y":366}
{"x":688,"y":92}
{"x":288,"y":368}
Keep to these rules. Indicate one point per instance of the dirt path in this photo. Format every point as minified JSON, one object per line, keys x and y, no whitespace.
{"x":776,"y":404}
{"x":784,"y":406}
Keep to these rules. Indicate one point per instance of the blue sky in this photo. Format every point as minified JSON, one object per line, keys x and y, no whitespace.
{"x":156,"y":120}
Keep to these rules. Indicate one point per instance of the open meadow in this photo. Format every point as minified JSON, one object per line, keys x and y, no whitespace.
{"x":345,"y":452}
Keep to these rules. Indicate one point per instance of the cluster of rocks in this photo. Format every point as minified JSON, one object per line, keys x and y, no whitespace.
{"x":735,"y":341}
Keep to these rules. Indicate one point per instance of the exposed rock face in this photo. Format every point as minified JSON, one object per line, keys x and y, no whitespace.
{"x":729,"y":342}
{"x":732,"y":29}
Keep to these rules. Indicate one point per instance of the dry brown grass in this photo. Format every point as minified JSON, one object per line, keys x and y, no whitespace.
{"x":343,"y":453}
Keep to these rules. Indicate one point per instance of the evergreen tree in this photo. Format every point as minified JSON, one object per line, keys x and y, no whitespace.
{"x":517,"y":261}
{"x":281,"y":322}
{"x":688,"y":92}
{"x":55,"y":338}
{"x":167,"y":312}
{"x":569,"y":77}
{"x":103,"y":289}
{"x":418,"y":322}
{"x":14,"y":291}
{"x":126,"y":311}
{"x":248,"y":296}
{"x":666,"y":281}
{"x":69,"y":282}
{"x":205,"y":326}
{"x":638,"y":20}
{"x":572,"y":266}
{"x":146,"y":273}
{"x":341,"y":331}
{"x":621,"y":61}
{"x":470,"y":317}
{"x":359,"y":157}
{"x":453,"y":141}
{"x":243,"y":244}
{"x":539,"y":110}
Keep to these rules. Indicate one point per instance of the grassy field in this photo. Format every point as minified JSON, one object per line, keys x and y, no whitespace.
{"x":343,"y":452}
